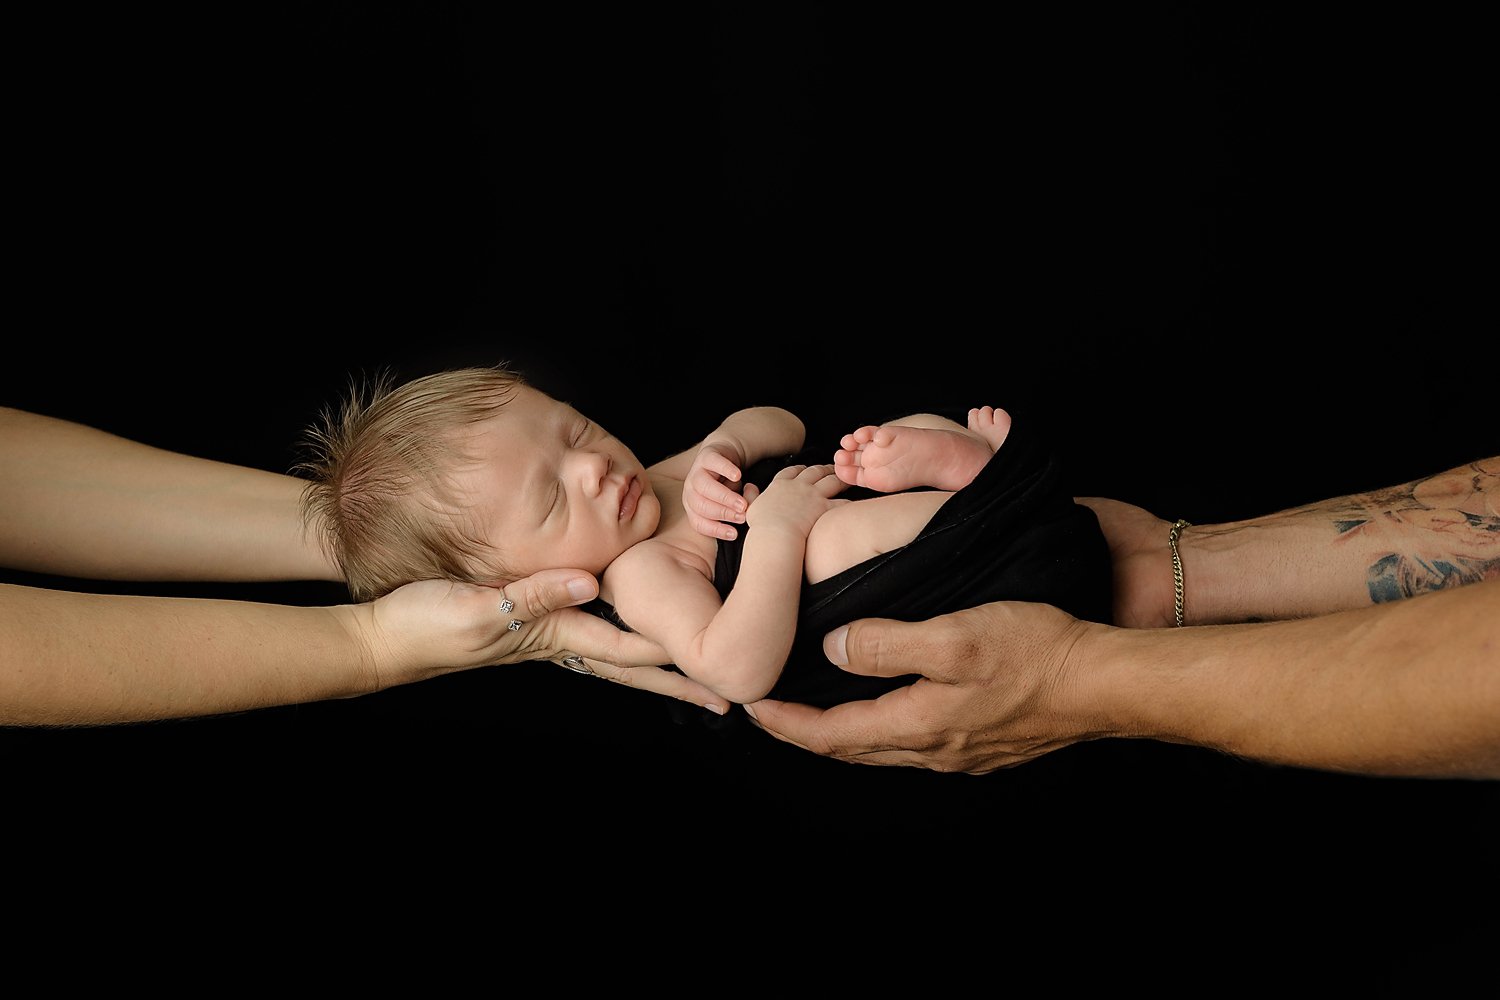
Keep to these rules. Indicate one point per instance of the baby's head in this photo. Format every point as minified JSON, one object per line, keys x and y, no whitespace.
{"x":380,"y":477}
{"x":472,"y":475}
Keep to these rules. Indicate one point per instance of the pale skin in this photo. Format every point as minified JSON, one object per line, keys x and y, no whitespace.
{"x":77,"y":501}
{"x":1360,"y":634}
{"x":652,"y":532}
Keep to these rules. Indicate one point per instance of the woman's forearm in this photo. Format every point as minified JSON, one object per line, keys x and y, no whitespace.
{"x":1368,"y":548}
{"x":77,"y":501}
{"x":69,"y":659}
{"x":1411,"y":688}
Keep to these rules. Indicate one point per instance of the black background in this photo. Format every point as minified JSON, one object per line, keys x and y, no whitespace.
{"x":1233,"y":261}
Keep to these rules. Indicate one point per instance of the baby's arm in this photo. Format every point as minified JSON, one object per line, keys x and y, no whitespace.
{"x":744,"y":438}
{"x":736,"y":649}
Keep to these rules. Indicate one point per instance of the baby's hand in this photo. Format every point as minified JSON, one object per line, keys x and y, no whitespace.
{"x":707,"y":498}
{"x":796,"y":498}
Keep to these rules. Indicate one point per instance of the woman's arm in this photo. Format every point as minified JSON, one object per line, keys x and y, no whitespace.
{"x":75,"y":501}
{"x":80,"y":502}
{"x":69,"y":659}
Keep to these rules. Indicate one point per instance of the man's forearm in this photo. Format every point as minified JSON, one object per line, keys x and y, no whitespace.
{"x":1410,"y":688}
{"x":1369,"y":548}
{"x":76,"y":501}
{"x":70,"y":659}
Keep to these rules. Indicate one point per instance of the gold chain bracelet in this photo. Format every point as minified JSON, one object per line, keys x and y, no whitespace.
{"x":1172,"y":537}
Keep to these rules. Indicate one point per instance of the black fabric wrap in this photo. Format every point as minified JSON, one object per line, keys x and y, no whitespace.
{"x":1013,"y":534}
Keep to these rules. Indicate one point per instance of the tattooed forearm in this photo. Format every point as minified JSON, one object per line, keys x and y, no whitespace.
{"x":1440,"y":532}
{"x":1395,"y":577}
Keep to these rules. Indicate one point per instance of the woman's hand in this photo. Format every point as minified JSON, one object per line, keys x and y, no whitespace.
{"x":434,"y":627}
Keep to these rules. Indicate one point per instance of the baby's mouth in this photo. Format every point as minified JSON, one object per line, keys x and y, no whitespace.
{"x":631,"y":499}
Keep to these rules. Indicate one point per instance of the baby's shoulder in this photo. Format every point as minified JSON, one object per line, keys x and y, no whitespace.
{"x":664,"y":554}
{"x":655,"y":569}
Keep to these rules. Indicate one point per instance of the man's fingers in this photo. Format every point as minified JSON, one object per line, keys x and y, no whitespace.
{"x":843,"y":731}
{"x":791,"y":723}
{"x":882,"y":647}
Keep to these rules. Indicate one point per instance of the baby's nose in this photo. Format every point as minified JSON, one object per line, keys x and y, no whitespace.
{"x":596,"y":466}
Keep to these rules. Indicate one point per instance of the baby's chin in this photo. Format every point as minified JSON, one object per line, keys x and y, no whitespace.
{"x":648,"y":515}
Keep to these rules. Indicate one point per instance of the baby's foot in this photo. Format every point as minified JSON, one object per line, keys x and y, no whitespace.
{"x":991,"y":424}
{"x":897,"y":456}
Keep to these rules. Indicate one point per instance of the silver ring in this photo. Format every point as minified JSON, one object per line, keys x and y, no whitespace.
{"x":575,"y":663}
{"x":515,"y":624}
{"x":506,"y":605}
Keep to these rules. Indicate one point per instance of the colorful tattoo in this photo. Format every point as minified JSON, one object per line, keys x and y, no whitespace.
{"x":1446,"y":528}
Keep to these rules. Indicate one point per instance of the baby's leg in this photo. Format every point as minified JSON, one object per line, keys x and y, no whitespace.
{"x":921,"y":450}
{"x":853,"y":531}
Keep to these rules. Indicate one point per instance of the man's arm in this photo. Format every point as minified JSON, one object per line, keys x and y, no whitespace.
{"x":1410,"y":688}
{"x":75,"y":501}
{"x":1431,"y":534}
